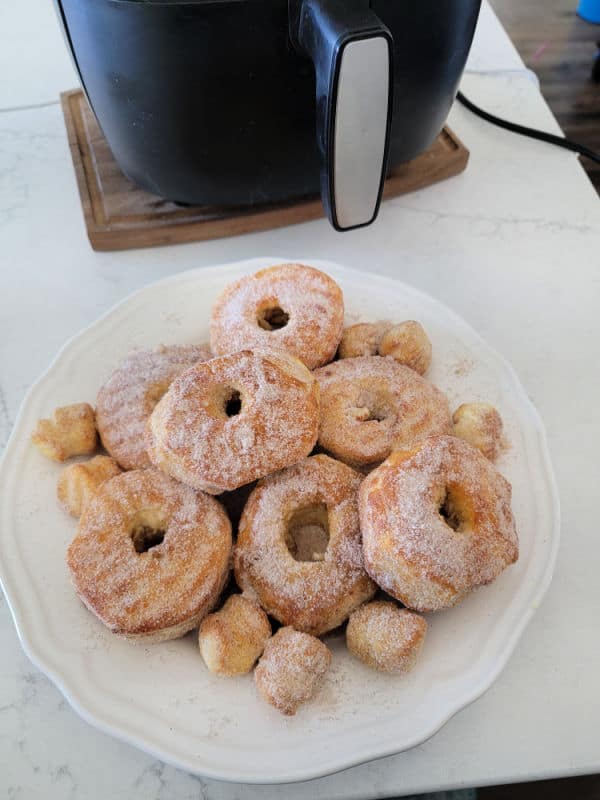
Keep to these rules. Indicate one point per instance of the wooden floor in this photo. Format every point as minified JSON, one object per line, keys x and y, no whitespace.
{"x":561,"y":49}
{"x":584,"y":788}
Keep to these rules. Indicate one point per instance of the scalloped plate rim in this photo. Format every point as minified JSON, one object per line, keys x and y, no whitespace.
{"x":83,"y":703}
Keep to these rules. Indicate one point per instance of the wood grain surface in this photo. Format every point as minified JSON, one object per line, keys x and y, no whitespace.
{"x":118,"y":215}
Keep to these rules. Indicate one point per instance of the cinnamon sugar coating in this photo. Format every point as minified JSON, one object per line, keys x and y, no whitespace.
{"x":233,"y":419}
{"x":371,"y":406}
{"x":232,"y":638}
{"x":129,"y":396}
{"x":78,"y":482}
{"x":291,"y":669}
{"x":386,"y":637}
{"x":436,"y":523}
{"x":150,"y":556}
{"x":408,"y":344}
{"x":480,"y":424}
{"x":362,"y":339}
{"x":70,"y":432}
{"x":299,"y":545}
{"x":289,"y":307}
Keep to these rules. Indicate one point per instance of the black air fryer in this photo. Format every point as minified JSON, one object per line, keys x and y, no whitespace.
{"x":240,"y":103}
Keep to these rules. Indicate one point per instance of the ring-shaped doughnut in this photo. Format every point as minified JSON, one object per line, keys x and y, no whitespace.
{"x":150,"y":556}
{"x":372,"y":405}
{"x":436,"y":523}
{"x":289,"y":307}
{"x":299,"y":546}
{"x":233,"y":419}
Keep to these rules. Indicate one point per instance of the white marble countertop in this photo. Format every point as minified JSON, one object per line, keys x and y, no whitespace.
{"x":513,"y":245}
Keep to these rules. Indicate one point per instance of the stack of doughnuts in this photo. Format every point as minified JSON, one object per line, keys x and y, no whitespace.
{"x":288,"y":478}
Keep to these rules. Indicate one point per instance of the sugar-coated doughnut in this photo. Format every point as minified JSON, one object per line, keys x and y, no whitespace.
{"x":78,"y":482}
{"x":372,"y":405}
{"x":151,"y":556}
{"x":361,"y":339}
{"x":299,"y":545}
{"x":436,"y":523}
{"x":70,"y":432}
{"x":386,"y":637}
{"x":480,"y":424}
{"x":129,"y":396}
{"x":408,"y":344}
{"x":233,"y":638}
{"x":288,"y":307}
{"x":290,"y":669}
{"x":232,"y":420}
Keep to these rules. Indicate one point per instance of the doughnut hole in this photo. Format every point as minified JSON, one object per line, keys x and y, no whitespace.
{"x":78,"y":483}
{"x":372,"y":406}
{"x":225,"y":402}
{"x":307,"y":533}
{"x":480,"y":424}
{"x":454,"y":508}
{"x":233,"y":638}
{"x":233,"y":404}
{"x":361,"y":339}
{"x":385,"y":637}
{"x":408,"y":344}
{"x":148,"y":529}
{"x":70,"y":432}
{"x":272,"y":317}
{"x":290,"y":669}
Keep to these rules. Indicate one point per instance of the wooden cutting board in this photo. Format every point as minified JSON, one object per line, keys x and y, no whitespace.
{"x":119,"y":216}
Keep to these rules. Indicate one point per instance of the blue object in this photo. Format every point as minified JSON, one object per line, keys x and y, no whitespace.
{"x":589,"y":10}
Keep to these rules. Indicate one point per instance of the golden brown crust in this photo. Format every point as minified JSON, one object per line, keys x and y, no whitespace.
{"x":233,"y":638}
{"x":436,"y":522}
{"x":305,"y":306}
{"x":78,"y":482}
{"x":291,"y":668}
{"x":371,"y":406}
{"x":70,"y":432}
{"x":196,"y":437}
{"x":408,"y":344}
{"x":385,"y":637}
{"x":480,"y":424}
{"x":129,"y":396}
{"x":362,"y":339}
{"x":163,"y":591}
{"x":289,"y":509}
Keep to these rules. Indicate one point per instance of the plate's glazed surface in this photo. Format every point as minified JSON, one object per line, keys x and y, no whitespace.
{"x":160,"y":697}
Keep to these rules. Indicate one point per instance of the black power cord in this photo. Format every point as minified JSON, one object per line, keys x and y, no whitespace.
{"x":533,"y":133}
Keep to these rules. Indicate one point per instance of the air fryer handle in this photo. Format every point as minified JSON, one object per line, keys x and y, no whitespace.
{"x":352,"y":54}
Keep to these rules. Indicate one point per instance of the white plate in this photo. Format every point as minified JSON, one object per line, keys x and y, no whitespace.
{"x":160,"y":697}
